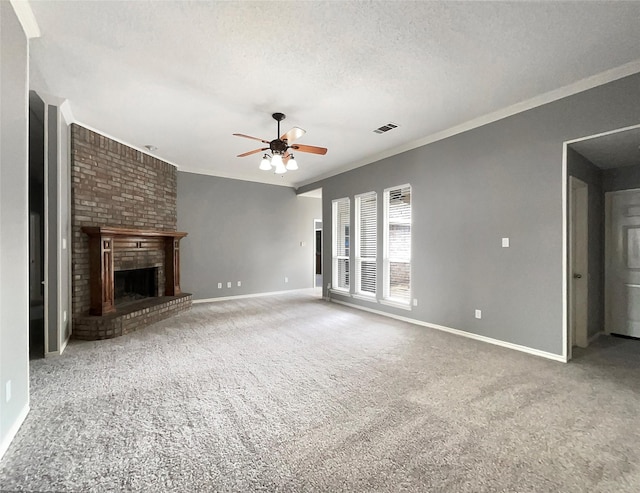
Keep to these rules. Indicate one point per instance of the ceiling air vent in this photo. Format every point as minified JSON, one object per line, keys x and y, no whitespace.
{"x":385,"y":128}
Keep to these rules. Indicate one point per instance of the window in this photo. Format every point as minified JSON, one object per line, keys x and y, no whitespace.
{"x":341,"y":238}
{"x":366,"y":243}
{"x":397,"y":244}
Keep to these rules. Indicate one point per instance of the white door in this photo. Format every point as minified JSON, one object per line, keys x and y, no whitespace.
{"x":579,"y":262}
{"x":623,"y":265}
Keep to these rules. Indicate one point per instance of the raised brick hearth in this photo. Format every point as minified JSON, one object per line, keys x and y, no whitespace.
{"x":118,"y":188}
{"x":133,"y":317}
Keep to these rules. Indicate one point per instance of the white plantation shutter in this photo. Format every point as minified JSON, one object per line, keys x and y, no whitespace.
{"x":397,"y":244}
{"x":341,"y":243}
{"x":366,"y":243}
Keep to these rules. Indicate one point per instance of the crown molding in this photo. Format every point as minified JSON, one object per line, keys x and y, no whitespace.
{"x":63,"y":105}
{"x":22,"y":8}
{"x":67,"y":114}
{"x":116,"y":139}
{"x":582,"y":85}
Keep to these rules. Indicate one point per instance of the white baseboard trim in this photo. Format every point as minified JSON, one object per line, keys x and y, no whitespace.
{"x":469,"y":335}
{"x":253,"y":295}
{"x":4,"y":446}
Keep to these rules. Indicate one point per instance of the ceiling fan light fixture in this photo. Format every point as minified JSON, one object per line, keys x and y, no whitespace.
{"x":281,"y":169}
{"x":279,"y":148}
{"x":292,"y":164}
{"x":265,"y":164}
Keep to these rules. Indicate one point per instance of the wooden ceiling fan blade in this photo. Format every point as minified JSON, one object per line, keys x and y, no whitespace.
{"x":311,"y":149}
{"x":293,"y":134}
{"x":253,"y":152}
{"x":249,"y":137}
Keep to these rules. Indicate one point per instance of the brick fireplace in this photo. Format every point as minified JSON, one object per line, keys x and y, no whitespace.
{"x":123,"y":218}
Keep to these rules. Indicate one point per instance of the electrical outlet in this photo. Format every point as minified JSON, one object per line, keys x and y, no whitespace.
{"x":478,"y":313}
{"x":7,"y":392}
{"x":286,"y":279}
{"x":229,"y":284}
{"x":415,"y":301}
{"x":239,"y":284}
{"x":505,"y":242}
{"x":219,"y":285}
{"x":302,"y":243}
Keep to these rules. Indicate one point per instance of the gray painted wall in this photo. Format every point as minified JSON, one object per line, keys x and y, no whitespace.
{"x":625,"y":178}
{"x":470,"y":190}
{"x":244,"y":231}
{"x":14,"y":213}
{"x":585,"y":170}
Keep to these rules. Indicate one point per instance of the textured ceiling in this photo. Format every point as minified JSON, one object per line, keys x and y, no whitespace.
{"x":184,"y":76}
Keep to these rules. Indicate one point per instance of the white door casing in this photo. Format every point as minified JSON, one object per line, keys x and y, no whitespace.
{"x":622,"y":272}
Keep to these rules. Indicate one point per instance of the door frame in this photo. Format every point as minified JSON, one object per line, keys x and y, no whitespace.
{"x":316,"y":228}
{"x":47,"y":230}
{"x":566,"y":355}
{"x":578,"y":216}
{"x":57,"y":220}
{"x":38,"y":109}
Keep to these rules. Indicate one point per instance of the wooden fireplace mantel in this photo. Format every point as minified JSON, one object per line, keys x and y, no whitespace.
{"x":111,"y":231}
{"x":104,"y":240}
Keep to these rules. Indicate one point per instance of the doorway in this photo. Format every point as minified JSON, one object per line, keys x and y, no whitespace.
{"x":317,"y":231}
{"x":600,"y":237}
{"x":578,"y":263}
{"x":36,"y":228}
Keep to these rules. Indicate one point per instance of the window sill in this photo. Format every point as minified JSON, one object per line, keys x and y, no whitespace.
{"x":365,"y":297}
{"x":396,"y":304}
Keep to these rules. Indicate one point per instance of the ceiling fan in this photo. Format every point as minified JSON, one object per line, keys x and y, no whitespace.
{"x":282,"y":158}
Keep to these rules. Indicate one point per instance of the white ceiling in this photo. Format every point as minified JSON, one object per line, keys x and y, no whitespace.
{"x":184,"y":76}
{"x":612,"y":150}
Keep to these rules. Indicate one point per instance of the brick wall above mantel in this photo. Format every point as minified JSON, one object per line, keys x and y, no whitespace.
{"x":115,"y":185}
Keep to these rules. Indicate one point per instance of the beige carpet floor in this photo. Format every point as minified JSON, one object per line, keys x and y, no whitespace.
{"x":291,"y":393}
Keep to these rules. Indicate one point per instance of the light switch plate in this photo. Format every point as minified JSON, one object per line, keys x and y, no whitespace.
{"x":505,"y":242}
{"x":478,"y":313}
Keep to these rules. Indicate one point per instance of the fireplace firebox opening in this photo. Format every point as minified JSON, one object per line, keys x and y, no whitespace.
{"x":135,"y":284}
